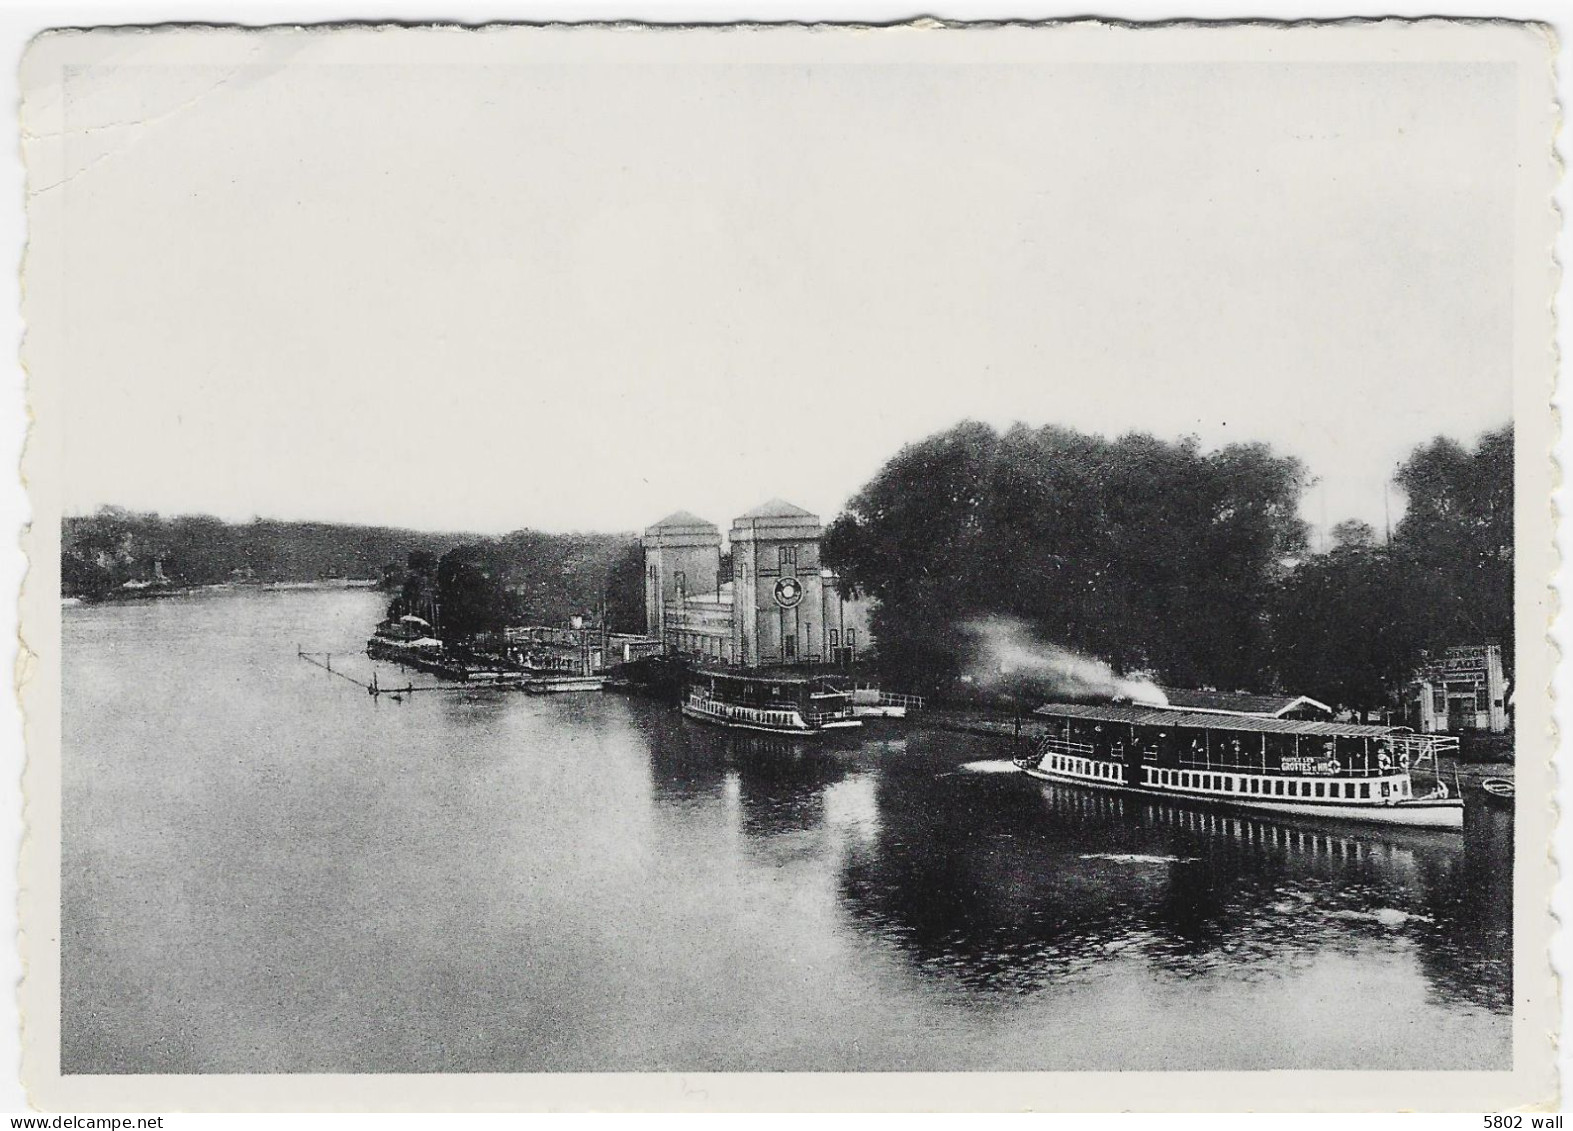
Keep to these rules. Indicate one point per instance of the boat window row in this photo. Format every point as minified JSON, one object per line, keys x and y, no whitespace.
{"x":1083,"y":767}
{"x":750,"y":714}
{"x":1277,"y":787}
{"x":1200,"y":748}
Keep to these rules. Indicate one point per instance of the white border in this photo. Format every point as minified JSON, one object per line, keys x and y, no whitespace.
{"x":20,"y":21}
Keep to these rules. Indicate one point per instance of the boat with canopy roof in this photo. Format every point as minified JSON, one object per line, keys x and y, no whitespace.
{"x":776,"y":703}
{"x":1305,"y":768}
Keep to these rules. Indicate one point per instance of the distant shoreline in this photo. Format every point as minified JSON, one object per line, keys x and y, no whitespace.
{"x":154,"y":593}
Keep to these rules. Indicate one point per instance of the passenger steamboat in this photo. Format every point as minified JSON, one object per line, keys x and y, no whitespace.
{"x":1307,"y":768}
{"x":775,"y":704}
{"x":407,"y":640}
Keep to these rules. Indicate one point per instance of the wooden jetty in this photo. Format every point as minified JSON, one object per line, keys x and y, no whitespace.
{"x":324,"y":660}
{"x":536,"y":683}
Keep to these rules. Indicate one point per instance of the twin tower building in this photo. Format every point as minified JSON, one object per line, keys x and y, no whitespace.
{"x":778,"y":606}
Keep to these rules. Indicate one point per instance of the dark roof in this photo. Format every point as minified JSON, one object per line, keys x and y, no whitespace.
{"x":1238,"y":702}
{"x":777,"y":508}
{"x":682,"y":518}
{"x":761,"y":675}
{"x":1203,"y":720}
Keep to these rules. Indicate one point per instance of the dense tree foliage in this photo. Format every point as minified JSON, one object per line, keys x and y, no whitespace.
{"x":417,"y":592}
{"x":102,"y":551}
{"x":472,"y":592}
{"x":557,"y":576}
{"x":1346,"y":629}
{"x":1456,"y":538}
{"x":1192,"y":565}
{"x":1152,"y":555}
{"x":1353,"y":624}
{"x":528,"y":577}
{"x":625,"y":590}
{"x":548,"y":577}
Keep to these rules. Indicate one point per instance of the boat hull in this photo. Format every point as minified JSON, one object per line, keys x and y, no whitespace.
{"x":1414,"y":813}
{"x":743,"y":718}
{"x":563,"y":685}
{"x":1498,"y":792}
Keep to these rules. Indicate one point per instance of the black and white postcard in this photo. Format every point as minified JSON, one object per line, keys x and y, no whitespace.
{"x":930,"y":566}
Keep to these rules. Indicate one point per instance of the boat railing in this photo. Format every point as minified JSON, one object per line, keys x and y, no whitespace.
{"x":1053,"y":744}
{"x":820,"y":718}
{"x":1357,"y":770}
{"x":896,"y":699}
{"x":795,"y":659}
{"x":1422,"y":746}
{"x":786,"y":717}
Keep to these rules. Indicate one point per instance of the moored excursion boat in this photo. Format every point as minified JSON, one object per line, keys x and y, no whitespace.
{"x":407,"y":640}
{"x":562,"y":684}
{"x":1333,"y":770}
{"x":773,"y":703}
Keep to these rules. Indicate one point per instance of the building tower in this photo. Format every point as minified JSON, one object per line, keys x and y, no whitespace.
{"x":682,"y":554}
{"x":776,"y":585}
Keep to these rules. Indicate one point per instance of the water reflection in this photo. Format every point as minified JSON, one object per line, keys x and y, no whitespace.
{"x":988,"y":882}
{"x":508,"y":883}
{"x":470,"y":706}
{"x":784,"y":792}
{"x":684,"y":763}
{"x":1047,"y":883}
{"x":1467,"y":946}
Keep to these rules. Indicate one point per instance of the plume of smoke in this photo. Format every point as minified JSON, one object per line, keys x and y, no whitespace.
{"x":1006,"y":657}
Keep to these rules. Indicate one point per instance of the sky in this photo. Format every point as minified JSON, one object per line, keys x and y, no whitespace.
{"x":578,"y":296}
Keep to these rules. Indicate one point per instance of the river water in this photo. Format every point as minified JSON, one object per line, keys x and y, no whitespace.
{"x":267,"y":870}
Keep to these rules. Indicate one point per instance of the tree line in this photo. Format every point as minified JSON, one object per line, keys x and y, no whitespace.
{"x":526,"y":576}
{"x":1354,"y":623}
{"x":1189,"y":565}
{"x":102,"y":551}
{"x":1157,"y":557}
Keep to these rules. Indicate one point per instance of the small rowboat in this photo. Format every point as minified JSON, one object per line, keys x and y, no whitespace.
{"x":1499,"y":791}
